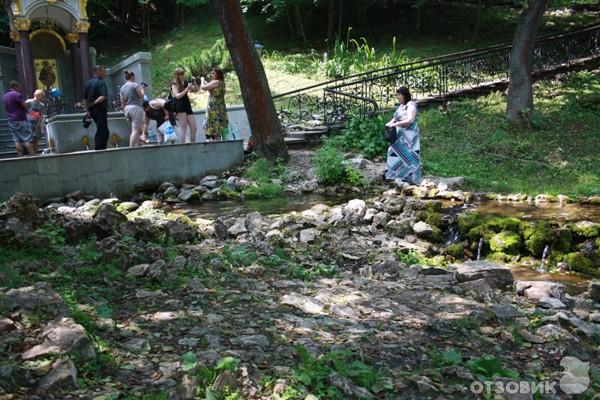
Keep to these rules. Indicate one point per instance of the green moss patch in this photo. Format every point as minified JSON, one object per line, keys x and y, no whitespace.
{"x":506,"y":242}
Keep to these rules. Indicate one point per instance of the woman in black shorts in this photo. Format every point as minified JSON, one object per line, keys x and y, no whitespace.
{"x":183,"y":108}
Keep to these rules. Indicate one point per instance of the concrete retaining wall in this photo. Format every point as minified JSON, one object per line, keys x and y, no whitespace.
{"x":116,"y":171}
{"x":66,"y":132}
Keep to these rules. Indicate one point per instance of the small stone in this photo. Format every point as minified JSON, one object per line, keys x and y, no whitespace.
{"x":308,"y":235}
{"x":306,"y":304}
{"x":137,"y":345}
{"x":139,"y":270}
{"x":238,"y":227}
{"x":63,"y":336}
{"x":251,"y":341}
{"x":594,"y":291}
{"x":344,"y":311}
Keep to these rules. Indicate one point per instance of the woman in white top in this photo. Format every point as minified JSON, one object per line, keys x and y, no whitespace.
{"x":403,"y":159}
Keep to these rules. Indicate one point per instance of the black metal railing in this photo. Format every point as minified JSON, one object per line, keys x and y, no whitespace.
{"x":333,"y":101}
{"x":61,"y":105}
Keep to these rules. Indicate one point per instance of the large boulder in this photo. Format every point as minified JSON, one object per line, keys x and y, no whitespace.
{"x":496,"y":275}
{"x":355,"y":211}
{"x":63,"y":336}
{"x":426,"y":231}
{"x":38,"y":298}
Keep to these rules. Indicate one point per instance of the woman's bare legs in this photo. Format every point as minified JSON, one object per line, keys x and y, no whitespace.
{"x":191,"y":120}
{"x":134,"y":139}
{"x":182,"y":121}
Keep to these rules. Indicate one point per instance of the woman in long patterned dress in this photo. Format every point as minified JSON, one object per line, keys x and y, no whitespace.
{"x":216,"y":113}
{"x":403,"y":159}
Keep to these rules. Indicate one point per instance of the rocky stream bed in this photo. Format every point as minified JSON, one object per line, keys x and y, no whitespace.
{"x":372,"y":298}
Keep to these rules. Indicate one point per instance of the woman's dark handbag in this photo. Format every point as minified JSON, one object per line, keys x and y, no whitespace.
{"x":390,"y":135}
{"x":87,"y":121}
{"x":171,"y":104}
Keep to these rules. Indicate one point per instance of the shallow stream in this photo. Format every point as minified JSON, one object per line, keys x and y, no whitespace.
{"x":526,"y":211}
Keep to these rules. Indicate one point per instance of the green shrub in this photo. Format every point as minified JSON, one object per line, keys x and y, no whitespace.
{"x":363,"y":135}
{"x":354,"y":177}
{"x":262,"y":172}
{"x":201,"y":63}
{"x":329,"y":165}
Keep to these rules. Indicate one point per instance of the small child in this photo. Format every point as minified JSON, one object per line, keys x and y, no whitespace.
{"x":35,"y":116}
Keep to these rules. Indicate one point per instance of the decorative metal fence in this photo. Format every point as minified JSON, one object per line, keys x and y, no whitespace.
{"x":334,"y":101}
{"x":61,"y":105}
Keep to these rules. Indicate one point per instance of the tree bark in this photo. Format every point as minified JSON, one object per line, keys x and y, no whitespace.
{"x":477,"y":22}
{"x":262,"y":115}
{"x":520,"y":90}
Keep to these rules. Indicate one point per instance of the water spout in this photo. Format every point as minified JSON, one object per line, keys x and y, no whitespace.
{"x":544,"y":258}
{"x":479,"y":248}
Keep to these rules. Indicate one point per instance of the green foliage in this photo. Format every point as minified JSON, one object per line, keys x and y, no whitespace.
{"x":240,"y":256}
{"x":331,"y":169}
{"x":309,"y":273}
{"x":579,"y":262}
{"x":506,"y":242}
{"x":411,"y":257}
{"x":363,"y":135}
{"x":55,"y":234}
{"x":313,"y":372}
{"x":266,"y":176}
{"x":445,"y":358}
{"x":487,"y":367}
{"x":201,"y":62}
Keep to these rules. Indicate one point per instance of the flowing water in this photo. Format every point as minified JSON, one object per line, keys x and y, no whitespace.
{"x":526,"y":211}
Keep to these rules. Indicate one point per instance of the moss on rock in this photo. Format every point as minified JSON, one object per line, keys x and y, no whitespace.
{"x":537,"y":236}
{"x":500,"y":257}
{"x":468,"y":221}
{"x":586,"y":229}
{"x":500,"y":224}
{"x":456,"y":250}
{"x":579,"y":262}
{"x":506,"y":242}
{"x":430,"y":217}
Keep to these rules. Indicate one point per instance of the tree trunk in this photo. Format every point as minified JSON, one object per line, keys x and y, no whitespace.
{"x":520,"y":91}
{"x":299,"y":22}
{"x":331,"y":21}
{"x":262,"y":115}
{"x":340,"y":15}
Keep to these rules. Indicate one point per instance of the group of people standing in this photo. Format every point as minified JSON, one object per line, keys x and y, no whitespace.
{"x":173,"y":114}
{"x":25,"y":118}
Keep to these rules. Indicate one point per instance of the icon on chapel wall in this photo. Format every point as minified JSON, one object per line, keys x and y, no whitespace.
{"x":46,"y":72}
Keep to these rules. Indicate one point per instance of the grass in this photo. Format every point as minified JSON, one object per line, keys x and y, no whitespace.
{"x":473,"y":139}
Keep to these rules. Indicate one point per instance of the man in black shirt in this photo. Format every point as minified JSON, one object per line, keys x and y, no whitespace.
{"x":95,"y":98}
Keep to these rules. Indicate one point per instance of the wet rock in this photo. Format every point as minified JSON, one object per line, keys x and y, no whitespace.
{"x":354,"y":211}
{"x":238,"y":227}
{"x":303,"y":303}
{"x":348,"y":388}
{"x":108,"y":219}
{"x":308,"y":235}
{"x":171,"y":192}
{"x":13,"y":377}
{"x":164,"y":186}
{"x":6,"y":325}
{"x":594,"y":291}
{"x":497,"y":276}
{"x":309,"y":186}
{"x":251,"y":341}
{"x":39,"y":297}
{"x":63,"y":376}
{"x":189,"y":196}
{"x":538,"y":290}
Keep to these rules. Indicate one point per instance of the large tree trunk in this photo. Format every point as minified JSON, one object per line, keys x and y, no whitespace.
{"x":262,"y":115}
{"x":520,"y":91}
